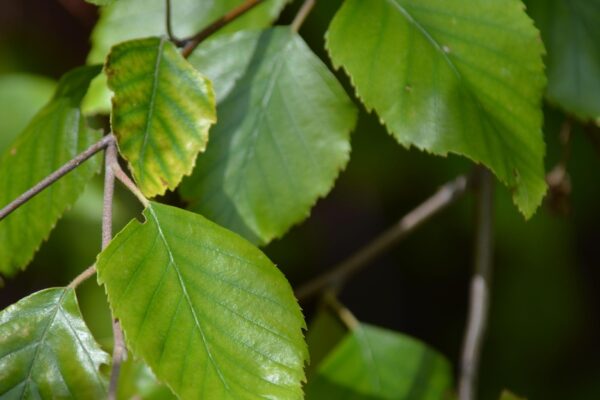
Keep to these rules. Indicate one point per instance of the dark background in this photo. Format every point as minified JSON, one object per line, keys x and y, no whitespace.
{"x":544,"y":327}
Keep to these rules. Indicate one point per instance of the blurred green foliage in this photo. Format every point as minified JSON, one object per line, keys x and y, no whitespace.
{"x":21,"y":96}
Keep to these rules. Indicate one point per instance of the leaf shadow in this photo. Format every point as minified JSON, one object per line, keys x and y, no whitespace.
{"x":226,"y":140}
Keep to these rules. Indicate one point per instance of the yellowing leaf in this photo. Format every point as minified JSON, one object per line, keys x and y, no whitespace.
{"x":162,"y":110}
{"x":132,"y":19}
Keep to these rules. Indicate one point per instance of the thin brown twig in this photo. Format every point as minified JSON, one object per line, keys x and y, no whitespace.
{"x":445,"y":196}
{"x":480,"y":288}
{"x":56,"y":175}
{"x":84,"y":276}
{"x":129,"y":184}
{"x":109,"y":190}
{"x":169,"y":24}
{"x":107,"y":216}
{"x":559,"y":179}
{"x":302,"y":14}
{"x":340,"y":310}
{"x":119,"y":354}
{"x":226,"y":19}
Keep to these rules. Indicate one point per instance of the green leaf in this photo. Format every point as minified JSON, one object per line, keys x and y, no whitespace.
{"x":208,"y":312}
{"x":55,"y":135}
{"x":47,"y":352}
{"x":98,"y":98}
{"x":571,"y":34}
{"x":162,"y":110}
{"x":325,"y":331}
{"x":282,"y":136}
{"x":21,"y":96}
{"x":506,"y":395}
{"x":452,"y":76}
{"x":131,"y":19}
{"x":137,"y":381}
{"x":374,"y":363}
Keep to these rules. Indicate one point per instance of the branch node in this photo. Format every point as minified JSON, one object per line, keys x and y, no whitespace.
{"x":112,"y":160}
{"x":193,"y":42}
{"x":169,"y":26}
{"x":56,"y":175}
{"x":129,"y":184}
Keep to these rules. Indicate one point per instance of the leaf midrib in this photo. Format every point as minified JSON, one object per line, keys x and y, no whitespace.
{"x":464,"y":83}
{"x":188,"y":299}
{"x":151,"y":105}
{"x":87,"y":352}
{"x":255,"y":132}
{"x":368,"y":354}
{"x":42,"y":339}
{"x":412,"y":20}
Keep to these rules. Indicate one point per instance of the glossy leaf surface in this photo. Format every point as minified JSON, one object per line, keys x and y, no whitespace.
{"x":47,"y":352}
{"x":55,"y":135}
{"x":208,"y":312}
{"x":282,"y":136}
{"x":21,"y":96}
{"x":450,"y":76}
{"x":132,"y":19}
{"x":374,"y":363}
{"x":571,"y":33}
{"x":162,"y":110}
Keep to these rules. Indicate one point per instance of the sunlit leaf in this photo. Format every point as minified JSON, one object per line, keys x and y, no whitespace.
{"x":282,"y":136}
{"x":55,"y":135}
{"x":162,"y":110}
{"x":131,"y":19}
{"x":571,"y":33}
{"x":47,"y":352}
{"x":208,"y":312}
{"x":452,"y":76}
{"x":373,"y":363}
{"x":21,"y":96}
